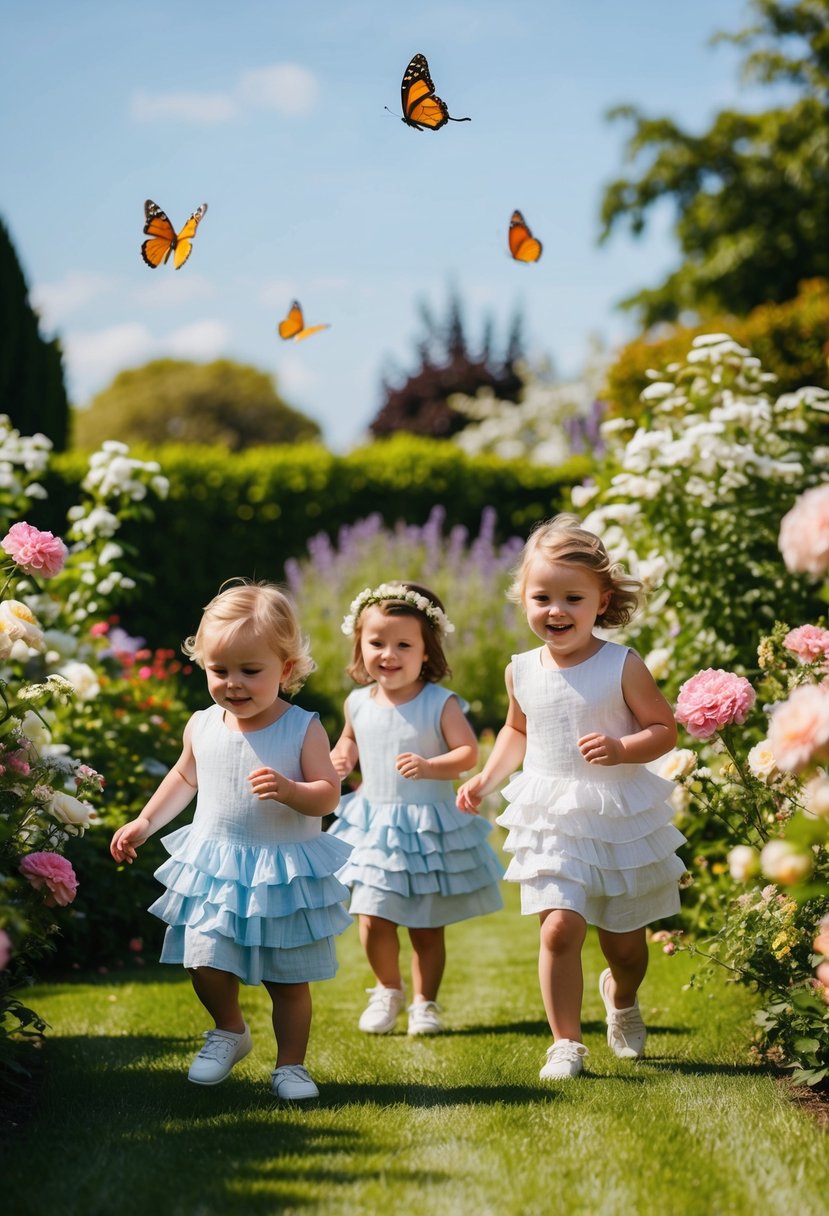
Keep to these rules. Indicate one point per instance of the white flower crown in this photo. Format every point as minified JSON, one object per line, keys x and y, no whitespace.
{"x":395,"y":591}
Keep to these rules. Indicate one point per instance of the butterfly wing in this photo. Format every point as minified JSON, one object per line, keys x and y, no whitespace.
{"x":294,"y":325}
{"x":522,"y":244}
{"x":162,"y":235}
{"x":184,"y":240}
{"x":421,"y":108}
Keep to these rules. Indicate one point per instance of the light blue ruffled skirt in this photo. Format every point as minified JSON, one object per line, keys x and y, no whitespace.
{"x":260,"y":912}
{"x":419,"y":865}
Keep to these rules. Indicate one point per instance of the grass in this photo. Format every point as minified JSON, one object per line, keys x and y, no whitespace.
{"x":458,"y":1124}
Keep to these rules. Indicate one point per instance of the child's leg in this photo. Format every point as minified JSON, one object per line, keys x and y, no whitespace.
{"x":559,"y":971}
{"x":627,"y":955}
{"x":379,"y":940}
{"x":218,"y":991}
{"x":291,"y":1021}
{"x":428,"y":962}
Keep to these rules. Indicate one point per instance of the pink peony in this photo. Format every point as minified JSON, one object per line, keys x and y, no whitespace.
{"x":53,"y":872}
{"x":5,"y":949}
{"x":799,"y":728}
{"x":804,"y":533}
{"x":808,"y":643}
{"x":713,"y":699}
{"x":35,"y":552}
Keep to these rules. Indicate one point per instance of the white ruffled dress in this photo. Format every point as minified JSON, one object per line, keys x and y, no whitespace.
{"x":597,"y":840}
{"x":251,"y":885}
{"x":417,"y":861}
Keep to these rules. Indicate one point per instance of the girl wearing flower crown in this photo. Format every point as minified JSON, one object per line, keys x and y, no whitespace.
{"x":417,"y":860}
{"x":251,"y":888}
{"x":589,"y":825}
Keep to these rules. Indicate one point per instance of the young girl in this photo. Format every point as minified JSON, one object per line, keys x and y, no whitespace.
{"x":590,"y":827}
{"x":251,"y":887}
{"x":417,"y":861}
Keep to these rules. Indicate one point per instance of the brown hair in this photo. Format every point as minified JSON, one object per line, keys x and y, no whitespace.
{"x":563,"y":539}
{"x":435,"y":667}
{"x":265,"y":610}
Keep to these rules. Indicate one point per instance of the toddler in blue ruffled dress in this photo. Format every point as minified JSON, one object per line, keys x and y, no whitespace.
{"x":417,"y":860}
{"x":252,"y":893}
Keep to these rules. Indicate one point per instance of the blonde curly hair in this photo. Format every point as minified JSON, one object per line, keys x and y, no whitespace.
{"x":563,"y":539}
{"x":264,"y":609}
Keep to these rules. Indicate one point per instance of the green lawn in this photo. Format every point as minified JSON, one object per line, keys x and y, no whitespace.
{"x":457,"y":1124}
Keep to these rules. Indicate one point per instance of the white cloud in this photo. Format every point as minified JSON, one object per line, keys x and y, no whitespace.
{"x":56,"y":301}
{"x":199,"y":340}
{"x":278,"y":293}
{"x":207,"y":108}
{"x":288,"y":88}
{"x":170,"y":291}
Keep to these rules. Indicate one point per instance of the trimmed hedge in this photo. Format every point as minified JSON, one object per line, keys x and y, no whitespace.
{"x":246,"y":513}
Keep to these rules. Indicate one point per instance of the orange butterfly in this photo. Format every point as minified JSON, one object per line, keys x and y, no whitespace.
{"x":522,"y":244}
{"x":163,"y":238}
{"x":294,"y":325}
{"x":421,"y":108}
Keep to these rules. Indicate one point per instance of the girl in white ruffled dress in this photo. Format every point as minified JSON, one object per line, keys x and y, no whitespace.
{"x":417,"y":861}
{"x":589,"y":825}
{"x":252,"y":893}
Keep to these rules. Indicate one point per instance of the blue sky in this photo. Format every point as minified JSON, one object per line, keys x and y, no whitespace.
{"x":273,"y":113}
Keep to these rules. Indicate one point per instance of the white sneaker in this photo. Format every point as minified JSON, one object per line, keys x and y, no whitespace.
{"x":424,"y":1019}
{"x":222,"y":1049}
{"x":626,"y":1032}
{"x":381,"y":1012}
{"x":291,"y":1083}
{"x":564,"y":1060}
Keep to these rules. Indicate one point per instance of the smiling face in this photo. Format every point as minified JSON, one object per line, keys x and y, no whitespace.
{"x":393,"y":651}
{"x":244,"y":676}
{"x":562,"y":601}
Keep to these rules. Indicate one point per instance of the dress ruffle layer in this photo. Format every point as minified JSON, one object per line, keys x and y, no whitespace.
{"x":420,"y":865}
{"x":612,"y":839}
{"x":251,"y":900}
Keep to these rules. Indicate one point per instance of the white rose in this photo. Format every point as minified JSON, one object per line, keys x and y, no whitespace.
{"x":781,"y":862}
{"x":36,"y":731}
{"x":658,"y":662}
{"x":21,"y":624}
{"x":680,"y":800}
{"x":816,"y":797}
{"x":678,"y":763}
{"x":6,"y":641}
{"x":761,"y":762}
{"x":743,"y":862}
{"x":71,"y":811}
{"x":83,"y":680}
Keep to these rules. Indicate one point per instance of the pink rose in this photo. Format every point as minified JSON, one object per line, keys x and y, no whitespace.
{"x":5,"y":949}
{"x":53,"y":872}
{"x":799,"y":728}
{"x":804,"y":533}
{"x":808,"y":643}
{"x":713,"y":699}
{"x":35,"y":552}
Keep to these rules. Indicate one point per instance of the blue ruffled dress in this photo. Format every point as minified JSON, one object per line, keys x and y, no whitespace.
{"x":417,"y":861}
{"x":594,"y":839}
{"x":251,"y":885}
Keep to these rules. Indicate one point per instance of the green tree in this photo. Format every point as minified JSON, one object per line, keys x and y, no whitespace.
{"x":751,"y":194}
{"x":32,"y":390}
{"x":175,"y":401}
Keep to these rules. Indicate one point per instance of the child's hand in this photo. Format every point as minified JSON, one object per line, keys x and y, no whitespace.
{"x":126,"y":840}
{"x":601,"y":749}
{"x":267,"y":783}
{"x":415,"y":767}
{"x":467,"y":798}
{"x":342,"y":764}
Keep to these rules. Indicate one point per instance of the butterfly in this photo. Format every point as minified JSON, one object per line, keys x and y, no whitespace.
{"x":421,"y":108}
{"x":294,"y":325}
{"x":522,"y":244}
{"x":163,"y":238}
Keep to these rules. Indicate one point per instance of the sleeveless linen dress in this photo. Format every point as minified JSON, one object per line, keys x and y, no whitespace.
{"x":597,"y":840}
{"x":417,"y":861}
{"x":251,"y":886}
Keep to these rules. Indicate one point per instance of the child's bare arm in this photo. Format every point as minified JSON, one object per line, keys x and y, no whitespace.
{"x":173,"y":794}
{"x":344,"y":753}
{"x":657,"y":733}
{"x":319,"y":791}
{"x":505,"y":757}
{"x":462,"y":753}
